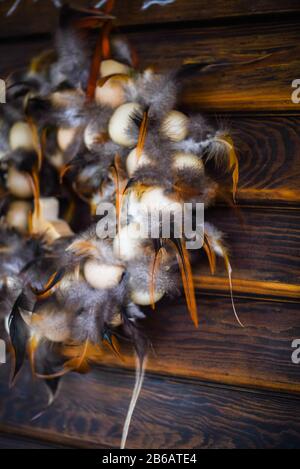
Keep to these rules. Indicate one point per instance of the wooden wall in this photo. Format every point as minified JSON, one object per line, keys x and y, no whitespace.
{"x":220,"y":385}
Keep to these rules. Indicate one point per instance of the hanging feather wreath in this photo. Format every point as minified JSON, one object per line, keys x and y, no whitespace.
{"x":83,"y":128}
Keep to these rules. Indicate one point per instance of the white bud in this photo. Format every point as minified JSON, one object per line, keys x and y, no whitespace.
{"x":18,"y":183}
{"x":121,"y":122}
{"x":17,"y":215}
{"x":133,"y":162}
{"x":102,"y":276}
{"x":187,"y":160}
{"x":112,"y":67}
{"x":127,"y":243}
{"x":65,"y":137}
{"x":175,"y":126}
{"x":20,"y":136}
{"x":143,"y":298}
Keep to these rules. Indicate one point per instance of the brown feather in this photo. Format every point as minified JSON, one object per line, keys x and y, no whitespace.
{"x":142,"y":135}
{"x":187,"y":279}
{"x":36,"y":142}
{"x":210,"y":254}
{"x":94,"y":72}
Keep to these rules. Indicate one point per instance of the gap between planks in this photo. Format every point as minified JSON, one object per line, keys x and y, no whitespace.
{"x":52,"y":436}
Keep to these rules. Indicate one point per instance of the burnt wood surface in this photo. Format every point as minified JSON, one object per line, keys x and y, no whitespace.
{"x":257,"y":63}
{"x":268,"y":146}
{"x":219,"y":386}
{"x":171,"y":413}
{"x":128,"y":13}
{"x":254,"y":66}
{"x":11,"y":441}
{"x":220,"y":351}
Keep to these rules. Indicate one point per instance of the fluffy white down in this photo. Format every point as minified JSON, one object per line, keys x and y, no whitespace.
{"x":155,"y":200}
{"x":18,"y":183}
{"x":175,"y":126}
{"x":102,"y":276}
{"x":133,"y":162}
{"x":65,"y":137}
{"x":127,"y":243}
{"x":143,"y":298}
{"x":120,"y":122}
{"x":20,"y":136}
{"x":90,"y":135}
{"x":17,"y":215}
{"x":187,"y":160}
{"x":111,"y":94}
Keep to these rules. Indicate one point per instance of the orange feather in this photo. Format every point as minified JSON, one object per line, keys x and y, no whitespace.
{"x":142,"y":135}
{"x":210,"y":254}
{"x":187,"y":280}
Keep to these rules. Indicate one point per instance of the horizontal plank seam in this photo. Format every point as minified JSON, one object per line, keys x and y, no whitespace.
{"x":206,"y":383}
{"x":69,"y":441}
{"x":41,"y":436}
{"x":27,"y":439}
{"x":222,"y":21}
{"x":247,"y":20}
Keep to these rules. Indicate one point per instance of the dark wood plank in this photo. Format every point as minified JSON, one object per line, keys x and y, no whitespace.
{"x":220,"y":351}
{"x":267,"y":146}
{"x":128,"y":12}
{"x":263,"y":245}
{"x":271,"y":52}
{"x":258,"y":355}
{"x":9,"y":441}
{"x":261,"y":85}
{"x":170,"y":414}
{"x":268,"y":150}
{"x":17,"y":55}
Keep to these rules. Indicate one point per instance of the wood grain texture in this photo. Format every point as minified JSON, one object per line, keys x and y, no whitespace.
{"x":17,"y":55}
{"x":258,"y":355}
{"x":128,"y":13}
{"x":268,"y":150}
{"x":259,"y":63}
{"x":11,"y":441}
{"x":170,"y":414}
{"x":263,"y":245}
{"x":268,"y":146}
{"x":220,"y":351}
{"x":271,"y":51}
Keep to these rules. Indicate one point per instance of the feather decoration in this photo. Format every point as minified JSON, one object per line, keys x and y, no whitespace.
{"x":84,"y":128}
